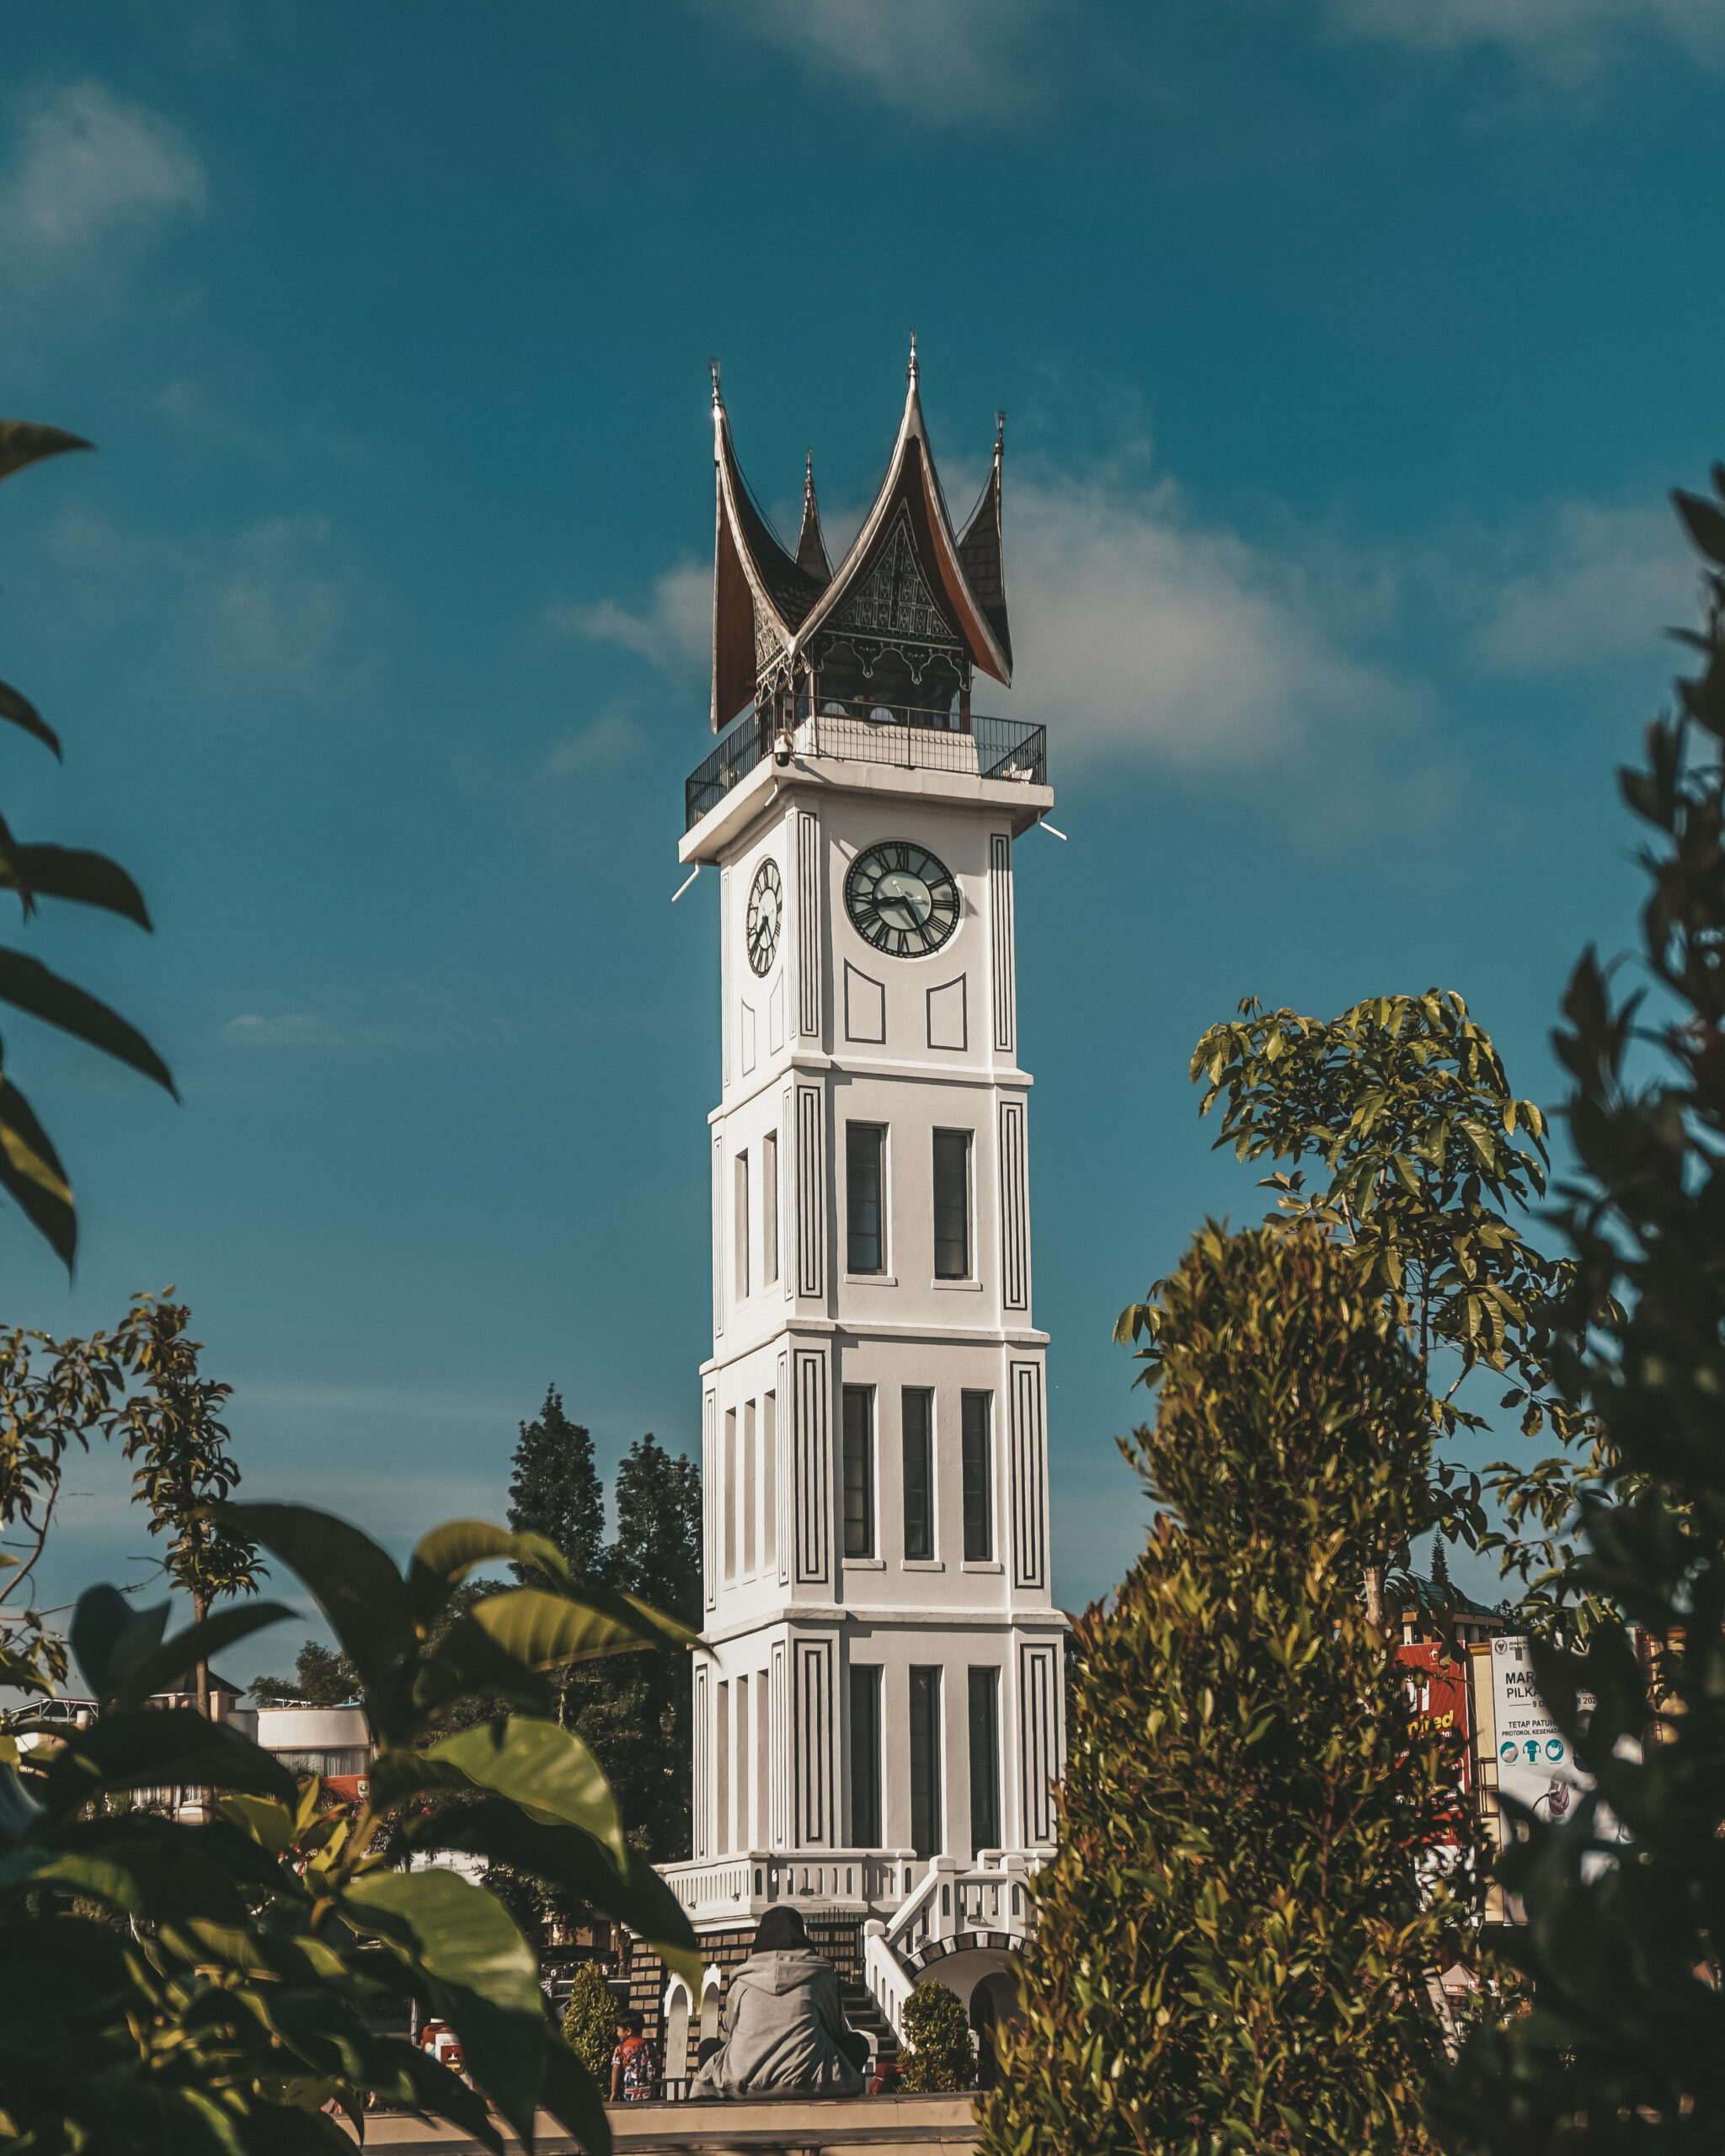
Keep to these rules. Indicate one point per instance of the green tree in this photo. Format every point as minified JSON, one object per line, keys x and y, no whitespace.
{"x":173,"y":1430}
{"x":555,"y":1490}
{"x":1624,"y":2046}
{"x":590,"y":2022}
{"x":30,"y":1169}
{"x":639,"y":1722}
{"x":54,"y":1393}
{"x":207,"y":1988}
{"x":942,"y":2057}
{"x":322,"y":1677}
{"x":1423,"y":1157}
{"x":1233,"y":1938}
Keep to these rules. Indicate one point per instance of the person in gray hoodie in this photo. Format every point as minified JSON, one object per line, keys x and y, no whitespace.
{"x":783,"y":2028}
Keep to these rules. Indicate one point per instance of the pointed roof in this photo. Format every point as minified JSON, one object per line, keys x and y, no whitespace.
{"x":767,"y":605}
{"x":811,"y":547}
{"x":982,"y":552}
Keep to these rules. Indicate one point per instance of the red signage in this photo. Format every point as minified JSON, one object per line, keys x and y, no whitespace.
{"x":1437,"y":1682}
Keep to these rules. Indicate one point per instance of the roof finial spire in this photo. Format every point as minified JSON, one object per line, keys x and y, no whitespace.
{"x":713,"y":369}
{"x":1000,"y":431}
{"x":910,"y":371}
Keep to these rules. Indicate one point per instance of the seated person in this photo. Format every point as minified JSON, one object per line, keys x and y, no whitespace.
{"x":784,"y":2029}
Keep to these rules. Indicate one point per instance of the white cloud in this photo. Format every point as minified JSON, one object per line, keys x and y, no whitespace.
{"x":273,"y":606}
{"x":1608,"y":581}
{"x":1143,"y":631}
{"x":290,"y":1029}
{"x":610,"y":739}
{"x":675,"y":632}
{"x":1567,"y":38}
{"x":939,"y":57}
{"x":86,"y":166}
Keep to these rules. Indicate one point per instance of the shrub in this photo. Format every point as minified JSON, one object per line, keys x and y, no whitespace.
{"x":590,"y":2022}
{"x":1232,"y":1945}
{"x":941,"y":2056}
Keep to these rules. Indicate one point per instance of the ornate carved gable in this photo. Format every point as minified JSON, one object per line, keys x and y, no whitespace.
{"x":894,"y":599}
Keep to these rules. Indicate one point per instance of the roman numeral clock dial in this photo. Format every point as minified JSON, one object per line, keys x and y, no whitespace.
{"x":901,"y":900}
{"x":766,"y":906}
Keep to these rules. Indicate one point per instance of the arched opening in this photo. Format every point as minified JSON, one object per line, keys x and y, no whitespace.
{"x":679,"y":2005}
{"x":994,"y":2000}
{"x":712,"y":1995}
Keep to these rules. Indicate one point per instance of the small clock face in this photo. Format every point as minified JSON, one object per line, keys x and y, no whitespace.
{"x":901,"y":900}
{"x":766,"y":908}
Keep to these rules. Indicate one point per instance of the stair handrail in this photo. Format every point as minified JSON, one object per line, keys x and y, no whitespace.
{"x":884,"y":1973}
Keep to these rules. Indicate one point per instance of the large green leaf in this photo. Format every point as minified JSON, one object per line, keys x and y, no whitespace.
{"x":155,"y":1882}
{"x":109,"y":1634}
{"x":156,"y":1747}
{"x":543,"y":1630}
{"x":22,"y":712}
{"x":32,"y":1176}
{"x":60,"y":872}
{"x":548,"y":1771}
{"x":154,"y":1672}
{"x":573,"y":2097}
{"x":24,"y":442}
{"x":356,"y":1585}
{"x":29,"y":985}
{"x":468,"y":1663}
{"x":486,"y":1973}
{"x":629,"y":1888}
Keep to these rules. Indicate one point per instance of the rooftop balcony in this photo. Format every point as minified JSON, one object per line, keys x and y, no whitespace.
{"x":1007,"y":749}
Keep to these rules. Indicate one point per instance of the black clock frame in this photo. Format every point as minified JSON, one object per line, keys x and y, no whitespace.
{"x":766,"y":878}
{"x":888,"y":856}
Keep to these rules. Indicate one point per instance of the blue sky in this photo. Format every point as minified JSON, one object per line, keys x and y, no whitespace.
{"x":1349,"y":348}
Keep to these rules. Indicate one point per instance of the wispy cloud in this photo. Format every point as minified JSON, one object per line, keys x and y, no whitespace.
{"x":611,"y":739}
{"x":89,"y":181}
{"x":942,"y":58}
{"x":275,"y":606}
{"x":1600,"y":582}
{"x":290,"y":1029}
{"x":1566,"y":39}
{"x":1149,"y":632}
{"x":86,"y":162}
{"x":674,"y":631}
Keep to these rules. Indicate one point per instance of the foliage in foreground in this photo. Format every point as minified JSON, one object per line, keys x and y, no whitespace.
{"x":942,"y":2057}
{"x":1624,"y":2049}
{"x":30,"y":1169}
{"x":1231,"y":1946}
{"x":208,"y":1987}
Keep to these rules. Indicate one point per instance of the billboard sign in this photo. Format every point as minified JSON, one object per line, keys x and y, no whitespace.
{"x":1536,"y":1762}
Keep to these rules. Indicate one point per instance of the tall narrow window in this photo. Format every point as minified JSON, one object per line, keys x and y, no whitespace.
{"x":865,"y":1756}
{"x":865,"y":1243}
{"x":739,"y":1211}
{"x":769,"y":1206}
{"x":952,"y":1205}
{"x":859,"y":1471}
{"x":743,"y":1763}
{"x":975,"y":1444}
{"x":729,"y":1469}
{"x":926,"y":1835}
{"x":985,"y":1759}
{"x":769,"y":1481}
{"x":722,"y":1767}
{"x":750,"y":1498}
{"x":763,"y":1754}
{"x":917,"y":1410}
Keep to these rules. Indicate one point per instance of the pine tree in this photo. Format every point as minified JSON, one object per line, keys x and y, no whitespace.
{"x":637,"y":1716}
{"x":1232,"y":1944}
{"x":555,"y":1490}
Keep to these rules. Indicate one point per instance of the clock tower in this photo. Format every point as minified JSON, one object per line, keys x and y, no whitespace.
{"x":878,"y":1729}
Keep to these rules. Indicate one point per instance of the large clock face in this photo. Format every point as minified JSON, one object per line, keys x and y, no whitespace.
{"x":901,"y":900}
{"x":766,"y":908}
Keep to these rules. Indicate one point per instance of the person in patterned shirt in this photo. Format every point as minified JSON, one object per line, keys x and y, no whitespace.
{"x":634,"y":2064}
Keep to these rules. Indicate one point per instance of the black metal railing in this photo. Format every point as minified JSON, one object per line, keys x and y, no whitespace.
{"x":1004,"y":748}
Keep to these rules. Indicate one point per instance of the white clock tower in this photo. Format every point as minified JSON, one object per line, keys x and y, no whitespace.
{"x":877,"y":1733}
